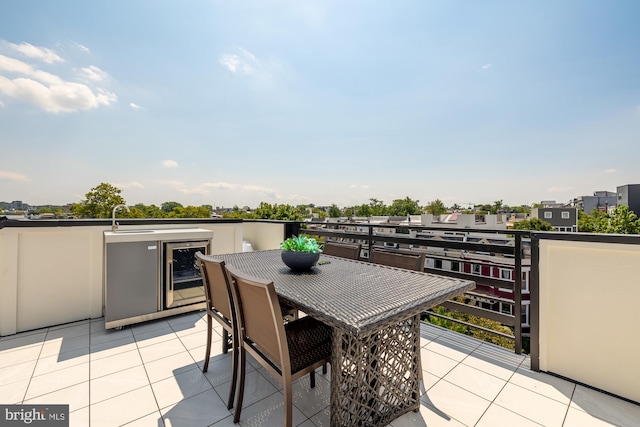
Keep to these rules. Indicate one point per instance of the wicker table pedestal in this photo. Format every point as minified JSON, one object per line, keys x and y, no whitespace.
{"x":375,"y":376}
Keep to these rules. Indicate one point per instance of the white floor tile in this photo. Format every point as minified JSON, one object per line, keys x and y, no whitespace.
{"x":18,"y":372}
{"x":169,"y":366}
{"x":57,"y":380}
{"x":544,"y":384}
{"x":477,"y":382}
{"x":256,"y":388}
{"x":155,"y":336}
{"x":201,"y":410}
{"x":269,"y":412}
{"x":21,"y":341}
{"x":76,"y":396}
{"x":427,"y":416}
{"x":500,"y":363}
{"x":435,"y":363}
{"x":452,"y":401}
{"x":56,"y":362}
{"x":13,"y":393}
{"x":180,"y":386}
{"x":532,"y":405}
{"x":605,"y":407}
{"x":123,"y":408}
{"x":161,"y":350}
{"x":497,"y":416}
{"x":117,"y":383}
{"x":115,"y":363}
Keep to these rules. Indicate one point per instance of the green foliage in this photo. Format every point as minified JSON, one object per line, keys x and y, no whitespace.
{"x":618,"y":220}
{"x":334,"y":211}
{"x":474,"y":320}
{"x":301,"y":244}
{"x":533,"y":224}
{"x":279,"y":212}
{"x":99,"y":202}
{"x":169,"y":206}
{"x":404,"y":207}
{"x":436,"y":207}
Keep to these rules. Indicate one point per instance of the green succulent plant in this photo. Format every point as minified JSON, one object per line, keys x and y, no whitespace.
{"x":301,"y":244}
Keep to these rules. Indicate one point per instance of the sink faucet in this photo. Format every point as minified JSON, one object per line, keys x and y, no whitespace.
{"x":114,"y":224}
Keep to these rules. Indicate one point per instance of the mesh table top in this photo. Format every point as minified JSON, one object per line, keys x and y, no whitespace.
{"x":355,"y":296}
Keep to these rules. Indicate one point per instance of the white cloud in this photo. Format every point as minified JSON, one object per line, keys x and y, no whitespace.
{"x":81,"y":47}
{"x":359,"y":186}
{"x":242,"y":62}
{"x":41,"y":53}
{"x":169,"y":163}
{"x":611,"y":171}
{"x":48,"y":91}
{"x":12,"y":176}
{"x":94,"y":73}
{"x":485,"y":67}
{"x":135,"y":106}
{"x":231,"y":62}
{"x":130,"y":184}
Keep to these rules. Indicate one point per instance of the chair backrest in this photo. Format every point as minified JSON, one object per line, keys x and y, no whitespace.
{"x":408,"y":260}
{"x":343,"y":250}
{"x":216,"y":284}
{"x":259,"y":316}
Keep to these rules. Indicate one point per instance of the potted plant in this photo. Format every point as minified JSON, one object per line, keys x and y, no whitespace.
{"x":300,"y":253}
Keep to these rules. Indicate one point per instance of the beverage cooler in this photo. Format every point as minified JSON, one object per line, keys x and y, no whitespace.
{"x":182,"y":284}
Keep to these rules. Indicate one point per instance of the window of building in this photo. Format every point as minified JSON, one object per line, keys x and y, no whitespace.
{"x":525,"y":280}
{"x":548,"y":215}
{"x":506,"y":308}
{"x":505,"y":274}
{"x":565,"y":215}
{"x":455,"y":266}
{"x":438,"y":264}
{"x":476,"y":268}
{"x":524,"y":315}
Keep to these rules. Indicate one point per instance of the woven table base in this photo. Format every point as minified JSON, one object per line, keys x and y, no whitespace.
{"x":375,"y":377}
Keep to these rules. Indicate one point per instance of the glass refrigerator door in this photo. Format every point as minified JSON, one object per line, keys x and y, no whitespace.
{"x":183,"y":282}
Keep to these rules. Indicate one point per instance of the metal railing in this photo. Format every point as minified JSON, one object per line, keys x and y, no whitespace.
{"x":465,"y":240}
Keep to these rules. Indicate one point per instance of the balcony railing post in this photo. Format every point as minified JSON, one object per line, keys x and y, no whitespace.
{"x":517,"y":294}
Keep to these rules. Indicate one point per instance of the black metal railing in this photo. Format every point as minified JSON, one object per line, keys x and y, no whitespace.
{"x":509,"y":243}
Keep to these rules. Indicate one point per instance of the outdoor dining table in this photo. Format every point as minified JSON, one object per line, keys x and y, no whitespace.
{"x":374,"y":312}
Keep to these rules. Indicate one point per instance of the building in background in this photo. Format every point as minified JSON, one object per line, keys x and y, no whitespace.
{"x":601,"y":201}
{"x":629,"y":195}
{"x":561,"y":218}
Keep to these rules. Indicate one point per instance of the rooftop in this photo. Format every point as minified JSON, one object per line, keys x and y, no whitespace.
{"x":150,"y":374}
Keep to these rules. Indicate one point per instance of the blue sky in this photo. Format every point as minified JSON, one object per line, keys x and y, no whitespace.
{"x":235,"y":103}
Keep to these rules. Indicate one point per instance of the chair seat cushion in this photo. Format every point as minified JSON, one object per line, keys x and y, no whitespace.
{"x":309,"y":342}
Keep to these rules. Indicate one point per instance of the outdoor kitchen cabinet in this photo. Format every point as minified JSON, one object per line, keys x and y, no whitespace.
{"x":150,"y":274}
{"x":131,"y":280}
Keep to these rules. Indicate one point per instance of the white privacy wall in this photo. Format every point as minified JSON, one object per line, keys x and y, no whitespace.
{"x":590,"y":314}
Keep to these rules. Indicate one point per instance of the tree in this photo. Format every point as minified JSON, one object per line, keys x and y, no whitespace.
{"x":620,"y":221}
{"x":404,"y":207}
{"x":334,"y":211}
{"x":169,"y":206}
{"x":533,"y":224}
{"x":436,"y":207}
{"x":378,"y":208}
{"x":99,"y":202}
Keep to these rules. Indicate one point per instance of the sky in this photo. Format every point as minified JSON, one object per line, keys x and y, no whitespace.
{"x":295,"y":102}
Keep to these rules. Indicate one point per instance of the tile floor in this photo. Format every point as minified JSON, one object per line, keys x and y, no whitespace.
{"x":150,"y":375}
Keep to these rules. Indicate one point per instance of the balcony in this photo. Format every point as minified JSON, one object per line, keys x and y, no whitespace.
{"x":54,"y":348}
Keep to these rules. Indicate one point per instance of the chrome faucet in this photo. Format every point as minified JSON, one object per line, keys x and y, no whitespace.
{"x":114,"y":224}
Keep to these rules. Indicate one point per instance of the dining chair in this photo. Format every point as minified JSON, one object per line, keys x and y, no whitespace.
{"x":342,"y":250}
{"x":287,"y":351}
{"x":217,"y":292}
{"x":400,"y":259}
